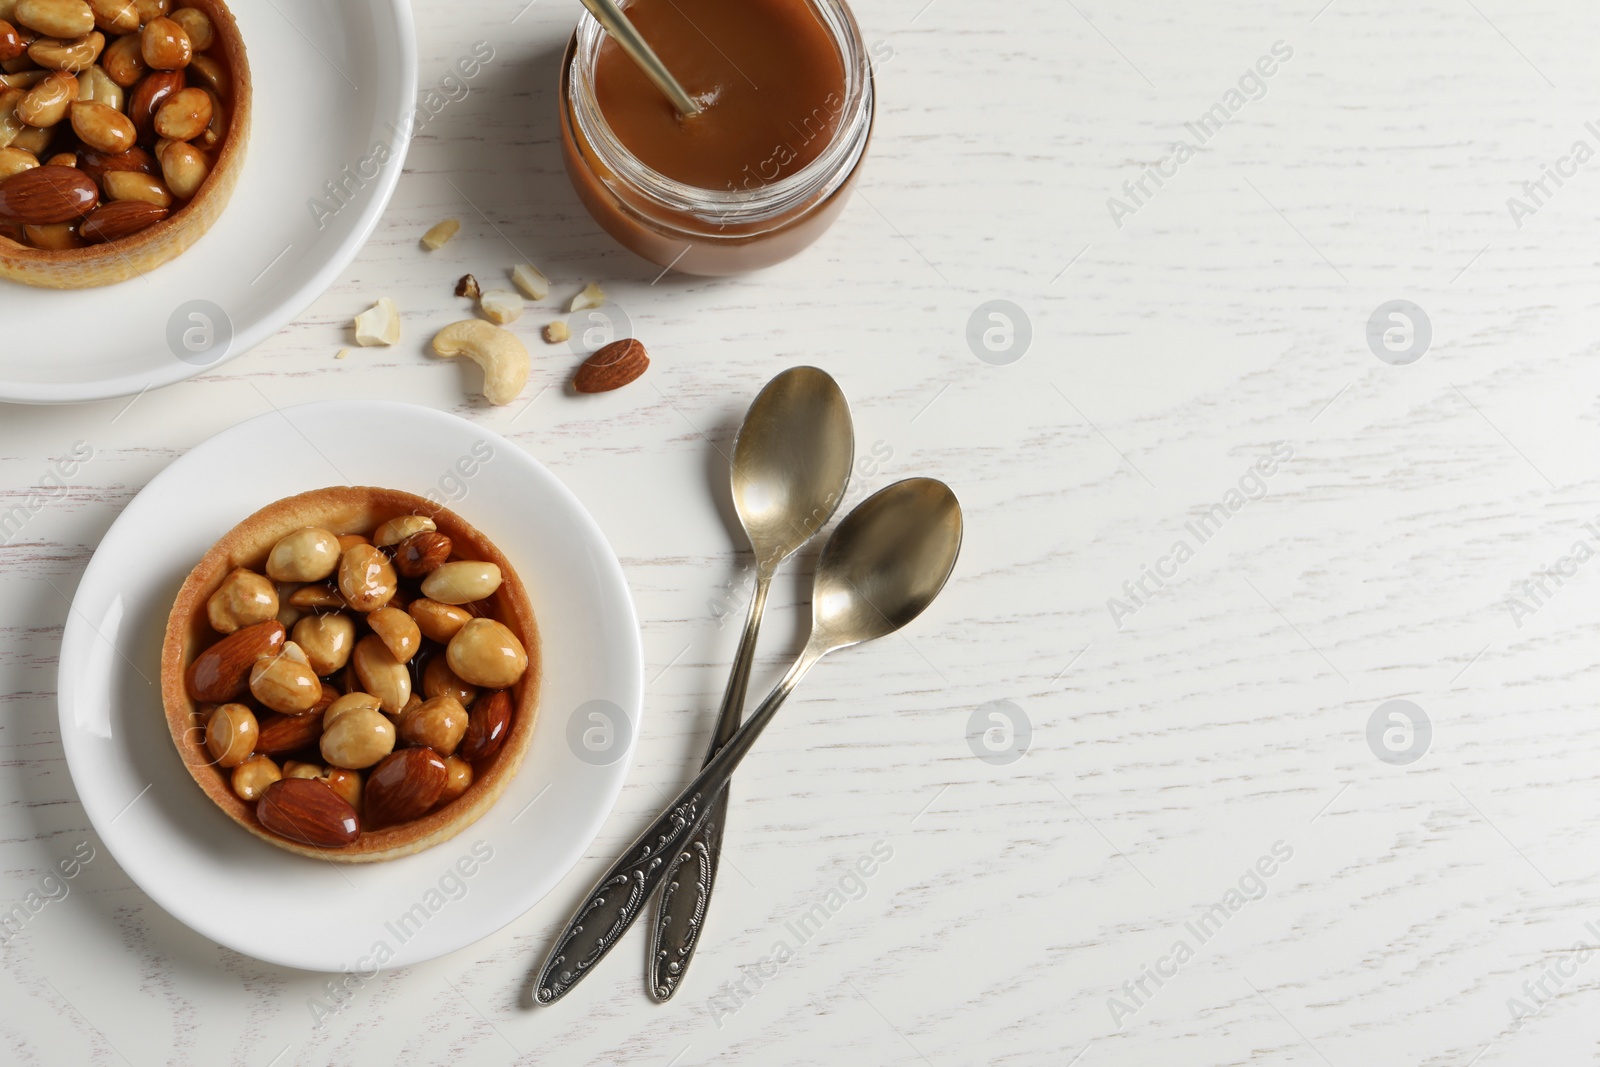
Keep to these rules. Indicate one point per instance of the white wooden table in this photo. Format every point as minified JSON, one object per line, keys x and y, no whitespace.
{"x":1031,"y":910}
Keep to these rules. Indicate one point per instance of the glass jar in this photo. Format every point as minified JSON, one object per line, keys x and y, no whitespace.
{"x":712,"y":231}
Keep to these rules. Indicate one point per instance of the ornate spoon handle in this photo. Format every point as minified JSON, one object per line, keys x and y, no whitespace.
{"x":686,"y":894}
{"x":616,"y":900}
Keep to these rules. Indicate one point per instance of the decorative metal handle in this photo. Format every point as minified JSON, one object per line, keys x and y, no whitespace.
{"x":686,"y":894}
{"x":616,"y":900}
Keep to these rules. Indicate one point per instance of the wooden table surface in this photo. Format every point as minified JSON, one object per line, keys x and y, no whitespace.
{"x":1133,"y":789}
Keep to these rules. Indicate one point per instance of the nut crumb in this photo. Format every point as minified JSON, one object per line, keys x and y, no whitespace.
{"x":501,"y":306}
{"x":440,"y":233}
{"x":468,"y":287}
{"x":343,"y":352}
{"x":591,"y":297}
{"x":379,"y":324}
{"x":556,"y":332}
{"x":531,"y":280}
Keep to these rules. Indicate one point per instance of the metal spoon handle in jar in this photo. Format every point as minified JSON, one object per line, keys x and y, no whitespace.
{"x":620,"y":894}
{"x":686,"y":892}
{"x":618,"y":25}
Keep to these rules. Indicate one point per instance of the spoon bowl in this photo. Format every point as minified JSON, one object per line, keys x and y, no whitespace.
{"x":885,"y":563}
{"x":791,"y":462}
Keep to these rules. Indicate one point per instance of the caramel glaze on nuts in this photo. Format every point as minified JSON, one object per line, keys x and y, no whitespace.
{"x":427,"y":683}
{"x":104,"y":79}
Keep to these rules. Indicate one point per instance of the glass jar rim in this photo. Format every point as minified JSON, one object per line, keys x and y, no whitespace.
{"x":822,"y":176}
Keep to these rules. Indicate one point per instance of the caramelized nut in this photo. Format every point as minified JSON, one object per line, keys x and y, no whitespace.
{"x":401,"y":527}
{"x":297,"y":769}
{"x":207,"y":73}
{"x":348,"y":703}
{"x":457,"y":778}
{"x":357,"y":739}
{"x":102,"y":127}
{"x":381,"y":674}
{"x":438,"y":723}
{"x":197,"y":25}
{"x":421,"y":553}
{"x":185,"y":167}
{"x":231,"y":733}
{"x":404,"y":786}
{"x":462,"y":582}
{"x":438,"y":622}
{"x":243,"y":599}
{"x":184,"y":115}
{"x":119,"y":219}
{"x":115,"y":16}
{"x":439,"y":680}
{"x":288,"y":733}
{"x":44,"y":195}
{"x":148,"y":95}
{"x":76,"y":55}
{"x":346,"y":783}
{"x":486,"y":653}
{"x":252,"y":777}
{"x":164,"y":44}
{"x":318,"y":596}
{"x":307,"y":555}
{"x":11,"y":45}
{"x":285,"y":683}
{"x":96,"y":85}
{"x":308,"y":813}
{"x":55,"y":18}
{"x":30,"y":139}
{"x":327,"y":640}
{"x":488,"y":723}
{"x":132,"y":185}
{"x":366,"y":578}
{"x":97,"y":164}
{"x":222,"y":672}
{"x":123,"y":62}
{"x":15,"y":161}
{"x":398,"y":631}
{"x":47,"y":102}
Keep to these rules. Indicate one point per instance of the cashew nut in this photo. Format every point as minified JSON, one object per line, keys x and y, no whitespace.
{"x":503,"y":358}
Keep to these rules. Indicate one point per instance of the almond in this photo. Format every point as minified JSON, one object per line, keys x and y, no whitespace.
{"x":611,"y":367}
{"x":283,"y":734}
{"x":308,"y":812}
{"x":11,"y":45}
{"x":147,"y":97}
{"x":222,"y":672}
{"x":40,"y":196}
{"x":123,"y":218}
{"x":421,"y":553}
{"x":487,"y":725}
{"x":96,"y":164}
{"x":404,"y":786}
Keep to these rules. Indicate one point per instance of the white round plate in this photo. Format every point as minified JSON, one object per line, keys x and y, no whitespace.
{"x":333,"y":83}
{"x":242,"y":892}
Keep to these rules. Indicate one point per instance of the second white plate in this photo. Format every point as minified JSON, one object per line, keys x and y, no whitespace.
{"x":335,"y":90}
{"x":271,"y":904}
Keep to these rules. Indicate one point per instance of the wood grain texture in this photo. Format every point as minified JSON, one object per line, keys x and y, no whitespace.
{"x":1227,"y":314}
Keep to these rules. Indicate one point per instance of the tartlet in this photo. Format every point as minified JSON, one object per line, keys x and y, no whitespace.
{"x":127,"y":257}
{"x":345,"y":510}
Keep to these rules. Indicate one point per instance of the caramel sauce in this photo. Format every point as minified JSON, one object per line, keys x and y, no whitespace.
{"x":766,"y":73}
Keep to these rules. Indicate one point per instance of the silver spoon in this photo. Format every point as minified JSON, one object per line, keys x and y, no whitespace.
{"x":619,"y":26}
{"x":881,"y":567}
{"x":791,"y":463}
